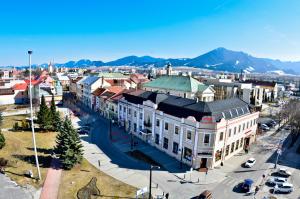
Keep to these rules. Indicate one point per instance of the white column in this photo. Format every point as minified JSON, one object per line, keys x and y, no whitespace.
{"x":195,"y":144}
{"x":143,"y":117}
{"x":153,"y":125}
{"x":138,"y":119}
{"x":181,"y":137}
{"x":161,"y":130}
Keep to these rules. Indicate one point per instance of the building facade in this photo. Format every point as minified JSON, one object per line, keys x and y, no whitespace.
{"x":200,"y":134}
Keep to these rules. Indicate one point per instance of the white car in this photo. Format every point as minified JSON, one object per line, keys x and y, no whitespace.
{"x":250,"y":162}
{"x":284,"y":188}
{"x":283,"y":172}
{"x":276,"y":181}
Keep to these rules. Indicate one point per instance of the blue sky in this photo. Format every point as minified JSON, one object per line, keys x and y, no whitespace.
{"x":104,"y":30}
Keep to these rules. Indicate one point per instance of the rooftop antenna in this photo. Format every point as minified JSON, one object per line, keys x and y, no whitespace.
{"x":31,"y":118}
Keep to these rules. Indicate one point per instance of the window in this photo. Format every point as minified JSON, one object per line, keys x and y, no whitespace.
{"x":187,"y":154}
{"x":188,"y":134}
{"x":166,"y":142}
{"x":129,"y":111}
{"x":176,"y":130}
{"x":166,"y":126}
{"x":227,"y":150}
{"x":234,"y":132}
{"x":120,"y":107}
{"x":124,"y":109}
{"x":250,"y":123}
{"x":221,"y":136}
{"x":156,"y":138}
{"x":237,"y":144}
{"x":218,"y":155}
{"x":206,"y":139}
{"x":239,"y":128}
{"x":157,"y":122}
{"x":175,"y":147}
{"x":232,"y":147}
{"x":129,"y":125}
{"x":140,"y":128}
{"x":134,"y":114}
{"x":134,"y":127}
{"x":241,"y":144}
{"x":141,"y":116}
{"x":229,"y":133}
{"x":247,"y":124}
{"x":244,"y":126}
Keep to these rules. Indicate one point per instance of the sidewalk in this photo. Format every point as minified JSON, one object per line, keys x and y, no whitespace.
{"x":129,"y":176}
{"x":51,"y":185}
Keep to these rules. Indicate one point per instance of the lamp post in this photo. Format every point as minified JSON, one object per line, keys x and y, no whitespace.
{"x":31,"y":117}
{"x":151,"y":167}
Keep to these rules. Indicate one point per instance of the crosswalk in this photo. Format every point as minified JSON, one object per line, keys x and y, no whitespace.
{"x":231,"y":182}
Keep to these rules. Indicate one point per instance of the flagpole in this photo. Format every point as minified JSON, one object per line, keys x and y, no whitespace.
{"x":31,"y":117}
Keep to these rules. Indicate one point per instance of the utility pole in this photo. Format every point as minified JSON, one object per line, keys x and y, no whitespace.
{"x":278,"y":151}
{"x":151,"y":167}
{"x":31,"y":117}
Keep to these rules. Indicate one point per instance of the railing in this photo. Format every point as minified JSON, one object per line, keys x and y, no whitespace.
{"x":147,"y":124}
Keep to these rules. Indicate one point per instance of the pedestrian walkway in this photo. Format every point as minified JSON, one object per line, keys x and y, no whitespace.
{"x":51,"y":185}
{"x":11,"y":190}
{"x":135,"y":178}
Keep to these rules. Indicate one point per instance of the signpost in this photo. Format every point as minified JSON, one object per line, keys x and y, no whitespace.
{"x":141,"y":191}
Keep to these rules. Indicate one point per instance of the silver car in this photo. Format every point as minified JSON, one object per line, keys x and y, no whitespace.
{"x":276,"y":181}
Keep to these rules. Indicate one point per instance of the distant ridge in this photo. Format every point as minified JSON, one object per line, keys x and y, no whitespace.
{"x":220,"y":59}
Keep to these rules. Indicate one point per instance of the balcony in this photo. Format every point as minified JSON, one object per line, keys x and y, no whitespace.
{"x":148,"y":124}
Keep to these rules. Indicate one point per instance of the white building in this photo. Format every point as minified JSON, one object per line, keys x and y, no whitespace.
{"x":202,"y":134}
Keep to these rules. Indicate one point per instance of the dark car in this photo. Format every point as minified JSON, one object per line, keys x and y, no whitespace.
{"x":246,"y":186}
{"x":82,"y":132}
{"x":205,"y":195}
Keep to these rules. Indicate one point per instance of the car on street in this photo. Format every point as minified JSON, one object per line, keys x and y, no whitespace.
{"x":250,"y":163}
{"x":276,"y":181}
{"x":82,"y":132}
{"x":85,"y":128}
{"x":264,"y":127}
{"x":284,"y":188}
{"x":283,"y":172}
{"x":246,"y":185}
{"x":205,"y":195}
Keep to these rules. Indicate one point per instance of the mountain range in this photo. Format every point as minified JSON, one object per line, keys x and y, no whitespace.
{"x":220,"y":59}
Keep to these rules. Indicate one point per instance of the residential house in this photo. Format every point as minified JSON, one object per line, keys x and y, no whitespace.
{"x":270,"y":89}
{"x":200,"y":134}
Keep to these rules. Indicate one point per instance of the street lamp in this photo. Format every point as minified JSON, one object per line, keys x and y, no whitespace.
{"x":31,"y":117}
{"x":151,"y":167}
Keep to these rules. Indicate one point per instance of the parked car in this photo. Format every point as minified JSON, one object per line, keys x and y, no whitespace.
{"x":276,"y":181}
{"x":205,"y":195}
{"x":273,"y":122}
{"x":250,"y":163}
{"x":264,"y":127}
{"x":284,"y":188}
{"x":287,"y":127}
{"x":82,"y":132}
{"x":283,"y":172}
{"x":247,"y":184}
{"x":85,"y":128}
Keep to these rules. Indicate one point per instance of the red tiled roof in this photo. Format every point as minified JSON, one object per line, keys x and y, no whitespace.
{"x":116,"y":89}
{"x":20,"y":86}
{"x":33,"y":82}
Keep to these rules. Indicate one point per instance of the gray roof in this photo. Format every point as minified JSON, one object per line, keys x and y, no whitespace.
{"x":90,"y":80}
{"x":183,"y":107}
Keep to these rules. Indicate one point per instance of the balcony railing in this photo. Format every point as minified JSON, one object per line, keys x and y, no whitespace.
{"x":147,"y":124}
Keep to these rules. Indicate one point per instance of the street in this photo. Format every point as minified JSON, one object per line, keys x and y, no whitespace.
{"x":225,"y":178}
